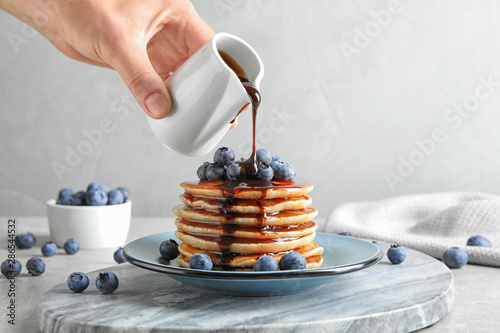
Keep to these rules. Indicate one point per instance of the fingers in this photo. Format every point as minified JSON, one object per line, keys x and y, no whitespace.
{"x":147,"y":87}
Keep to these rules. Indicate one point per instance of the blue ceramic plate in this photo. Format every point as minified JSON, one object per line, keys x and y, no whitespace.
{"x":342,"y":255}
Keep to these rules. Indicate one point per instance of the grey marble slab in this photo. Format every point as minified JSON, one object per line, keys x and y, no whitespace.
{"x":383,"y":298}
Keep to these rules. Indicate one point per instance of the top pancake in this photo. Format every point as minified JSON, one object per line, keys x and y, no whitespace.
{"x":247,"y":189}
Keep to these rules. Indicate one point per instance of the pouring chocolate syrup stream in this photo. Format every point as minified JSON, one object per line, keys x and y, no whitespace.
{"x":250,"y":165}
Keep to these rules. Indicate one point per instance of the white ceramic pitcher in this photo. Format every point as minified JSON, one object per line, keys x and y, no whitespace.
{"x":206,"y":96}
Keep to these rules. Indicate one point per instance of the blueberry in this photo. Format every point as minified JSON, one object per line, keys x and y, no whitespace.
{"x":35,"y":266}
{"x":200,"y":261}
{"x":396,"y":254}
{"x":71,"y":246}
{"x":125,"y":192}
{"x":78,"y":199}
{"x":11,"y":268}
{"x":478,"y":241}
{"x":235,"y":171}
{"x":455,"y":257}
{"x":49,"y":249}
{"x":264,"y":156}
{"x":25,"y":241}
{"x":77,"y":282}
{"x":283,"y":171}
{"x":224,"y":156}
{"x":115,"y":197}
{"x":202,"y":171}
{"x":96,"y":186}
{"x":277,"y":158}
{"x":65,"y":200}
{"x":64,"y":196}
{"x":97,"y":198}
{"x":344,"y":233}
{"x":216,"y":172}
{"x":169,"y":249}
{"x":265,"y":263}
{"x":65,"y":192}
{"x":106,"y":282}
{"x":292,"y":260}
{"x":118,"y":256}
{"x":265,"y":172}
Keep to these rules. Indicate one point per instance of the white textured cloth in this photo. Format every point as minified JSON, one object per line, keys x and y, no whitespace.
{"x":430,"y":223}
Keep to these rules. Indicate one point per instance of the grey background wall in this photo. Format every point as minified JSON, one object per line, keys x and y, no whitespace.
{"x":368,"y":99}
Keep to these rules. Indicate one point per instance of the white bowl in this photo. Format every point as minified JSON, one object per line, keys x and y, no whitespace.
{"x":93,"y":227}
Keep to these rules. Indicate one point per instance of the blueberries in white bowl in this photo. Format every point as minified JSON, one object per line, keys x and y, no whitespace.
{"x":96,"y":194}
{"x":115,"y":197}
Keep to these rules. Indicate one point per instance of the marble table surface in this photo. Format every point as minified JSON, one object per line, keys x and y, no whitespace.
{"x":382,"y":298}
{"x":476,"y":305}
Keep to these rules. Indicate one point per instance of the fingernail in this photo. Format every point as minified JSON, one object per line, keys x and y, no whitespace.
{"x":156,"y":104}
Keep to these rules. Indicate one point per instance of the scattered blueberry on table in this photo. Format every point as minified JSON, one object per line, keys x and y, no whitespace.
{"x":292,"y":260}
{"x":49,"y":249}
{"x":478,"y":241}
{"x":265,"y":263}
{"x":344,"y":233}
{"x":106,"y":282}
{"x":11,"y":268}
{"x":225,"y":166}
{"x":77,"y":282}
{"x":169,"y":249}
{"x":25,"y":241}
{"x":200,"y":261}
{"x":96,"y":194}
{"x":118,"y":256}
{"x":396,"y":254}
{"x":35,"y":266}
{"x":455,"y":257}
{"x":71,"y":246}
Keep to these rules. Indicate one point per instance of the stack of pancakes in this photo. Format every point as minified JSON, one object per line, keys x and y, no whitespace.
{"x":237,"y":222}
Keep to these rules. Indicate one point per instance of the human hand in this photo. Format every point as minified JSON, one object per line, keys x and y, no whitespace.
{"x":144,"y":41}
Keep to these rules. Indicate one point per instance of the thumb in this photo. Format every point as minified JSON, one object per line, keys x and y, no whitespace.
{"x":147,"y":87}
